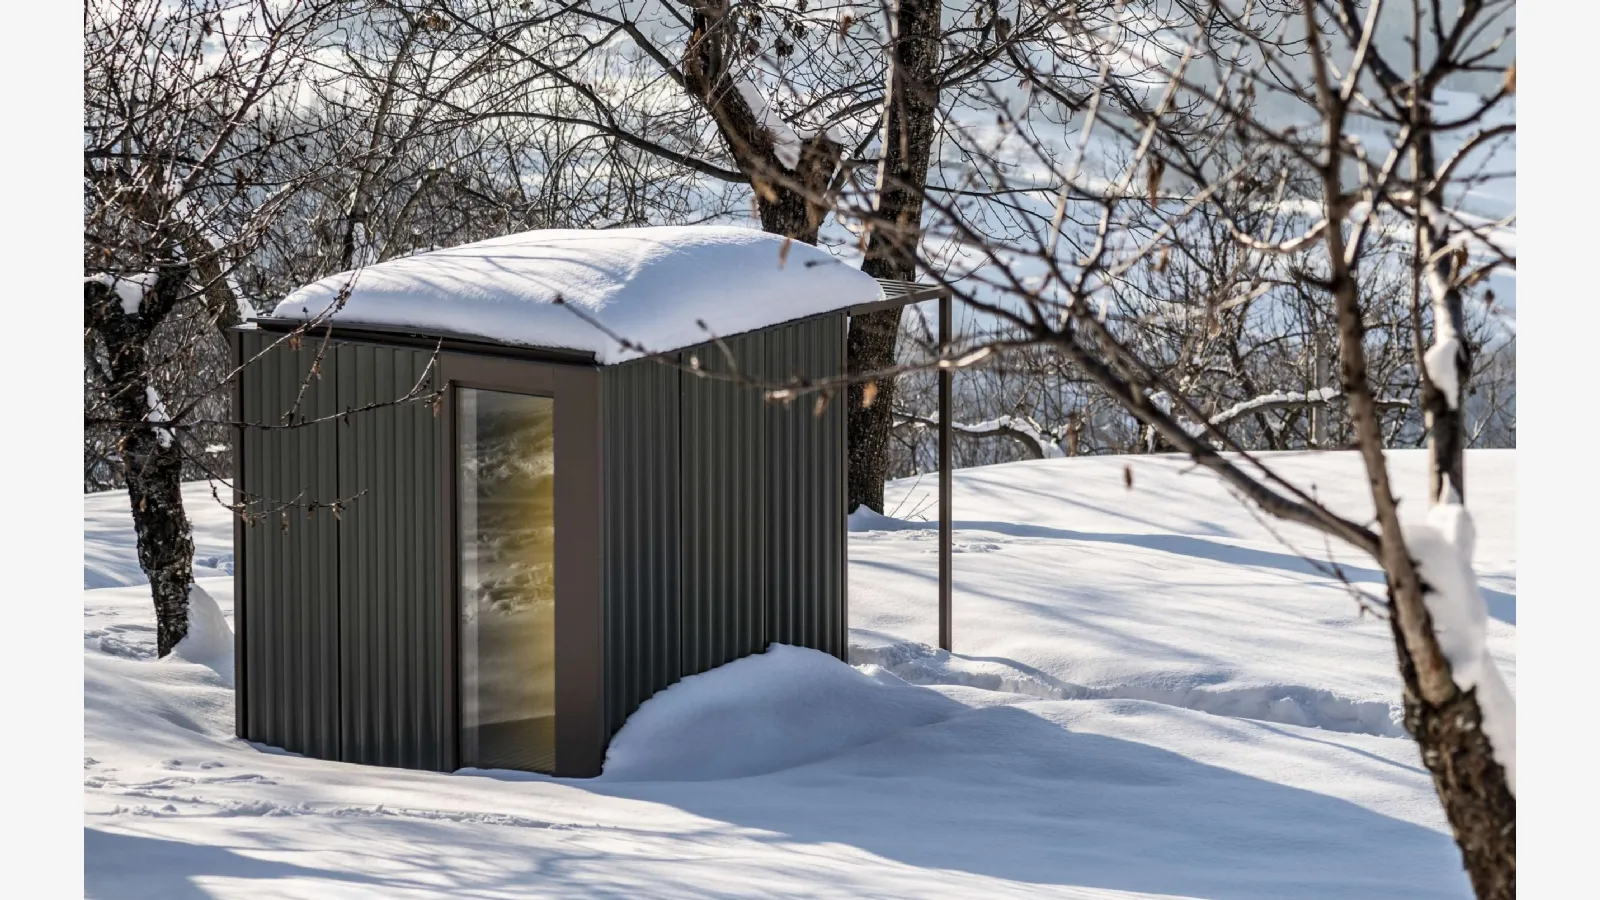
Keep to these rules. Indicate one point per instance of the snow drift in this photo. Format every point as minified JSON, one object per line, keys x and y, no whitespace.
{"x":650,"y":286}
{"x":775,"y":710}
{"x":209,"y":640}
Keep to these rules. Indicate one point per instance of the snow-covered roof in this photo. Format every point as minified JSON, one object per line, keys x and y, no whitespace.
{"x":652,"y":286}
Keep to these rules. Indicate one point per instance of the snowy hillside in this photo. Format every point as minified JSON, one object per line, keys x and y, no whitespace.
{"x":1153,"y":696}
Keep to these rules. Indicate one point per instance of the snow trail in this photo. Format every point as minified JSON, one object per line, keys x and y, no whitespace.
{"x":1284,"y":704}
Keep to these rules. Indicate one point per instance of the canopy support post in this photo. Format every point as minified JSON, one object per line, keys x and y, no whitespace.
{"x":945,"y":526}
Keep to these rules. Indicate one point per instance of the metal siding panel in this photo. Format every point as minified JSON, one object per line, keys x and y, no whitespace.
{"x":289,"y":697}
{"x":351,"y":533}
{"x":325,"y":460}
{"x":641,"y":533}
{"x":281,"y":617}
{"x":425,"y":661}
{"x":291,"y":643}
{"x":236,"y":413}
{"x":409,"y":634}
{"x":392,"y":628}
{"x":725,"y":510}
{"x":354,"y":553}
{"x":380,"y":600}
{"x":432,"y":738}
{"x":342,"y":645}
{"x":804,"y":526}
{"x":831,"y":495}
{"x":253,"y":563}
{"x":724,"y":523}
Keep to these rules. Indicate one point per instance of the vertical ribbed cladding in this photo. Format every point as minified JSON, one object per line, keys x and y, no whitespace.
{"x":390,"y":634}
{"x":834,"y":445}
{"x":725,"y":510}
{"x":805,"y":524}
{"x":290,"y":559}
{"x":724,"y":514}
{"x":642,"y":534}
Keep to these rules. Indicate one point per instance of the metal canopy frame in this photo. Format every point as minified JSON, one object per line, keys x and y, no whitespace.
{"x":946,"y":526}
{"x":898,"y":294}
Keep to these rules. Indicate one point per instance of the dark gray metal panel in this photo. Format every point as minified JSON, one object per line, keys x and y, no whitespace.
{"x":805,"y":523}
{"x":289,"y":561}
{"x":236,"y":414}
{"x":724,"y":509}
{"x":392,"y":640}
{"x":724,"y":514}
{"x":721,"y":525}
{"x":640,"y":414}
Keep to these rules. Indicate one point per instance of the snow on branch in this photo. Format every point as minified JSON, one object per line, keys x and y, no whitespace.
{"x":1041,"y":442}
{"x":130,"y":289}
{"x":1443,"y":548}
{"x":1290,"y":400}
{"x":785,"y":140}
{"x":158,"y":414}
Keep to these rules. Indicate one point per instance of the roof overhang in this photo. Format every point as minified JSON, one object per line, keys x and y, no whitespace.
{"x":897,"y":294}
{"x":403,"y":336}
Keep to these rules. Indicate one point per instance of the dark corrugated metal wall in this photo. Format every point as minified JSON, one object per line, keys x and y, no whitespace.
{"x":748,"y":495}
{"x":641,"y":587}
{"x":341,"y":622}
{"x":805,"y":495}
{"x":724,"y":512}
{"x":724,"y":531}
{"x":392,"y":627}
{"x":288,"y":623}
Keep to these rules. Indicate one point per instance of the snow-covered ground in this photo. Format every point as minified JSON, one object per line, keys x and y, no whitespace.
{"x":1153,"y":696}
{"x":1070,"y":584}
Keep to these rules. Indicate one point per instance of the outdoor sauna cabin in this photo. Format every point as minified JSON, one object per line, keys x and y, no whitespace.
{"x":528,"y":483}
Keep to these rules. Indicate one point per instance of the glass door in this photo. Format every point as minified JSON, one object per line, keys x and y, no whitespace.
{"x":506,"y":514}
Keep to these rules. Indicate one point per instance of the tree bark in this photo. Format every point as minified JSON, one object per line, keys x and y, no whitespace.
{"x":790,"y":202}
{"x":161,"y":527}
{"x":1447,"y":436}
{"x":1472,"y":786}
{"x":152,"y":461}
{"x":911,"y":102}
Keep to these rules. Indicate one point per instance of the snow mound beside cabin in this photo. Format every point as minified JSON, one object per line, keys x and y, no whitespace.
{"x":775,"y":710}
{"x":650,"y":286}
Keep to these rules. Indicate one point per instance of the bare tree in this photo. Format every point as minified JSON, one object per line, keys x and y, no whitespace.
{"x":1312,"y":169}
{"x":186,"y":104}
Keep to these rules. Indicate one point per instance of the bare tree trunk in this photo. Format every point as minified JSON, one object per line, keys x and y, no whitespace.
{"x":795,"y":213}
{"x":791,"y":201}
{"x":152,"y":461}
{"x":1472,"y":786}
{"x":1470,"y":782}
{"x":1445,"y":721}
{"x":910,"y":106}
{"x":166,"y":547}
{"x":1447,"y":437}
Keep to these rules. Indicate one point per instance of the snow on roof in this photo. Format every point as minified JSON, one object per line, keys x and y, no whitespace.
{"x":648,"y":285}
